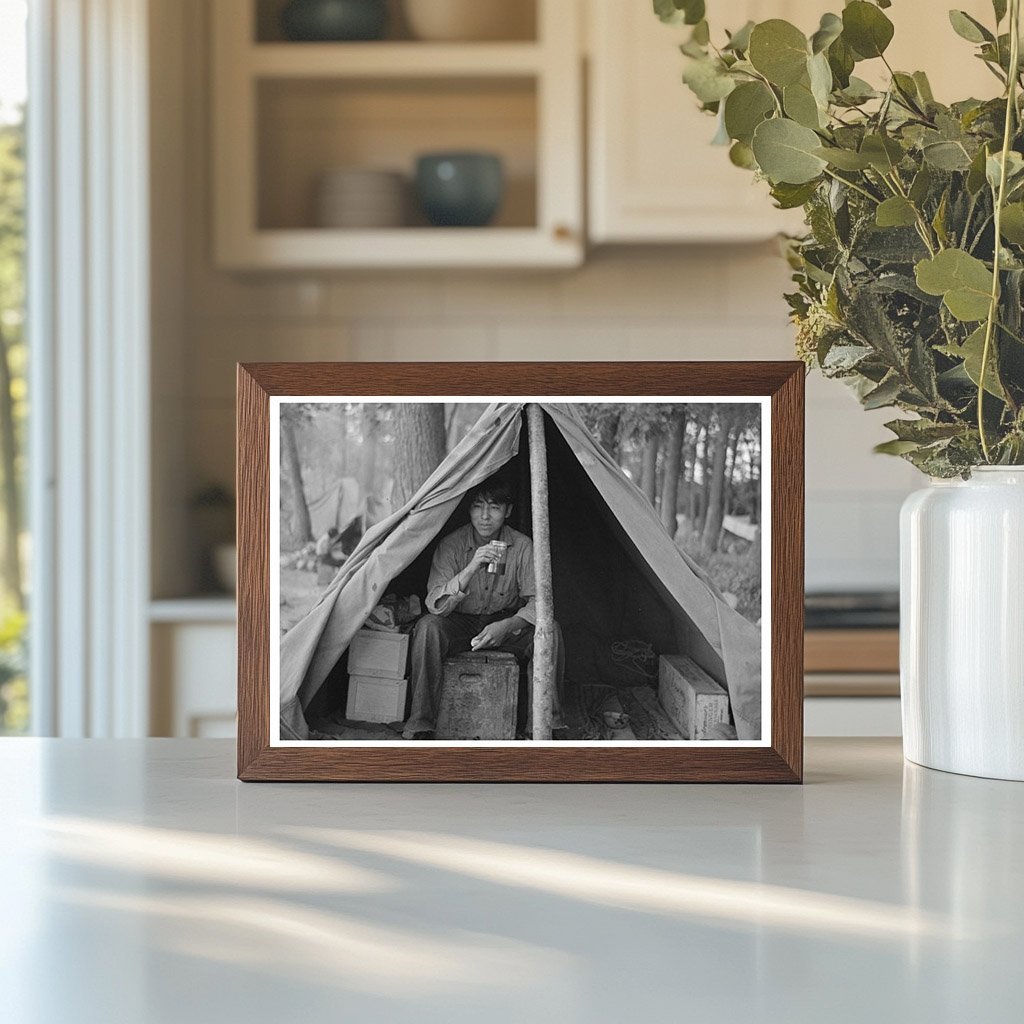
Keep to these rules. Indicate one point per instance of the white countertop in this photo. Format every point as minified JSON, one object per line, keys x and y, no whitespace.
{"x":143,"y":884}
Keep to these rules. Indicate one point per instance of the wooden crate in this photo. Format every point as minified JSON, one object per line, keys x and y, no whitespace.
{"x":375,"y":699}
{"x":376,"y":653}
{"x":691,"y":698}
{"x":480,"y":697}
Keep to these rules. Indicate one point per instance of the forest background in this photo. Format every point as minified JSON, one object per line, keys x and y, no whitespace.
{"x":698,"y":464}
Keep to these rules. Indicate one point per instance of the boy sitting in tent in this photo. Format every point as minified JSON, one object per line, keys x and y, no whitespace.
{"x":471,"y":608}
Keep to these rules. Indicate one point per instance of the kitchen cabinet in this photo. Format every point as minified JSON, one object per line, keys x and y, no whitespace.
{"x":286,"y":113}
{"x":193,"y":673}
{"x":653,"y":175}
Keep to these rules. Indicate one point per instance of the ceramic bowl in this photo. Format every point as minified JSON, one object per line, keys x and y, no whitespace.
{"x":358,"y":197}
{"x":460,"y":189}
{"x":334,"y":20}
{"x":468,"y":20}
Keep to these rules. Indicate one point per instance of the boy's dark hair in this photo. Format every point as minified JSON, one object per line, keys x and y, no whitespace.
{"x":496,"y":489}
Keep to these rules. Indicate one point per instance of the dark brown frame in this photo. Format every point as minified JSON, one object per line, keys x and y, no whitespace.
{"x":782,"y":761}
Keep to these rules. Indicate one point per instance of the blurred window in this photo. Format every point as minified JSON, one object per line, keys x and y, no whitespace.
{"x":14,"y":537}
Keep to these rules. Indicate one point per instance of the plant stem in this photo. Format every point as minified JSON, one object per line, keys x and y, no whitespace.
{"x":922,"y":225}
{"x":855,"y":187}
{"x":993,"y":309}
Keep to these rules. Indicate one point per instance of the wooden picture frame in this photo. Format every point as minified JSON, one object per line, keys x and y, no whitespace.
{"x":775,"y":757}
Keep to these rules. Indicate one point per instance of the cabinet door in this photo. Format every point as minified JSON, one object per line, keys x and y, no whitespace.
{"x":653,"y":174}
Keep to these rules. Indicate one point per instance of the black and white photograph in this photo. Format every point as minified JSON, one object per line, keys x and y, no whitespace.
{"x":491,"y":572}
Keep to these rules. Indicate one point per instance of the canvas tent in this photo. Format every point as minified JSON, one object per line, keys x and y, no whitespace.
{"x":338,"y":507}
{"x":616,"y":572}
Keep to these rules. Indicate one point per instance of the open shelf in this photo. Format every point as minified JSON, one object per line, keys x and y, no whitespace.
{"x":519,"y":19}
{"x":306,"y":128}
{"x":393,"y":60}
{"x":286,"y":114}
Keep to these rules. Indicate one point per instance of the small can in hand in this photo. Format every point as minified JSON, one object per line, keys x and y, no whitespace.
{"x":498,"y":568}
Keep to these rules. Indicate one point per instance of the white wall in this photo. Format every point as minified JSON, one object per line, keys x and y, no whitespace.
{"x":655,"y":303}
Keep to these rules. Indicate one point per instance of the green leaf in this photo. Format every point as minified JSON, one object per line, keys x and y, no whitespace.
{"x":994,"y":167}
{"x":739,"y":41}
{"x":676,"y":12}
{"x":999,"y":7}
{"x":968,"y":28}
{"x":896,"y":212}
{"x":895,"y":447}
{"x":844,"y":159}
{"x":921,"y":185}
{"x":745,"y":108}
{"x":885,"y":394}
{"x":800,"y":105}
{"x":976,"y":174}
{"x":820,"y":76}
{"x":778,"y":50}
{"x":939,"y":220}
{"x":946,"y":156}
{"x":785,"y":152}
{"x":923,"y":431}
{"x":963,"y":281}
{"x":830,"y":28}
{"x":742,"y":155}
{"x":701,"y":33}
{"x":1011,"y":226}
{"x":708,"y":81}
{"x":721,"y":136}
{"x":924,"y":88}
{"x":883,"y":153}
{"x":971,"y":352}
{"x":841,"y":60}
{"x":866,"y":29}
{"x":789,"y":197}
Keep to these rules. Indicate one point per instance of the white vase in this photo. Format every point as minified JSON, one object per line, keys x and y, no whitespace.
{"x":962,"y":624}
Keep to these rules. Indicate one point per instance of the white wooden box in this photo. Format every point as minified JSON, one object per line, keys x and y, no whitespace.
{"x":690,"y":697}
{"x":375,"y":653}
{"x":373,"y":699}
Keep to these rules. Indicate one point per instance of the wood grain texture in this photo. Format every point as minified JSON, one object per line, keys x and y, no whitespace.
{"x":852,"y":650}
{"x":252,"y":485}
{"x":787,"y":455}
{"x":781,"y":762}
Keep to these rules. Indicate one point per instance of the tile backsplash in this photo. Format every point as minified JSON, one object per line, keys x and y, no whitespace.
{"x":718,"y":302}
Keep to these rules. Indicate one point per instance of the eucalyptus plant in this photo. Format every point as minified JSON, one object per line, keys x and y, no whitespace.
{"x":910,"y":278}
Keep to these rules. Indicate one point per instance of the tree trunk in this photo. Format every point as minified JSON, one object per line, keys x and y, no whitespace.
{"x":11,"y":491}
{"x":369,"y":428}
{"x":730,"y":470}
{"x":544,"y":631}
{"x":649,"y":468}
{"x":705,"y":470}
{"x":609,"y":436}
{"x":296,"y":529}
{"x":419,"y":445}
{"x":673,"y":467}
{"x":716,"y":489}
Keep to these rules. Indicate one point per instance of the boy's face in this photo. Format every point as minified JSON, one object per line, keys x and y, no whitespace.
{"x":488,"y":516}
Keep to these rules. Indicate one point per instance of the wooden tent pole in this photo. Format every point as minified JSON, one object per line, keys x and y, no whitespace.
{"x":544,"y":635}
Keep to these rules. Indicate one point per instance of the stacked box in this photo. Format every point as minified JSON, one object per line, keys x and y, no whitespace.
{"x":377,"y":681}
{"x":375,"y":699}
{"x":480,"y":697}
{"x":691,"y":698}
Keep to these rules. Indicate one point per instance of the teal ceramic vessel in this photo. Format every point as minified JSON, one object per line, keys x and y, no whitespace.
{"x":333,"y":21}
{"x":460,"y":189}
